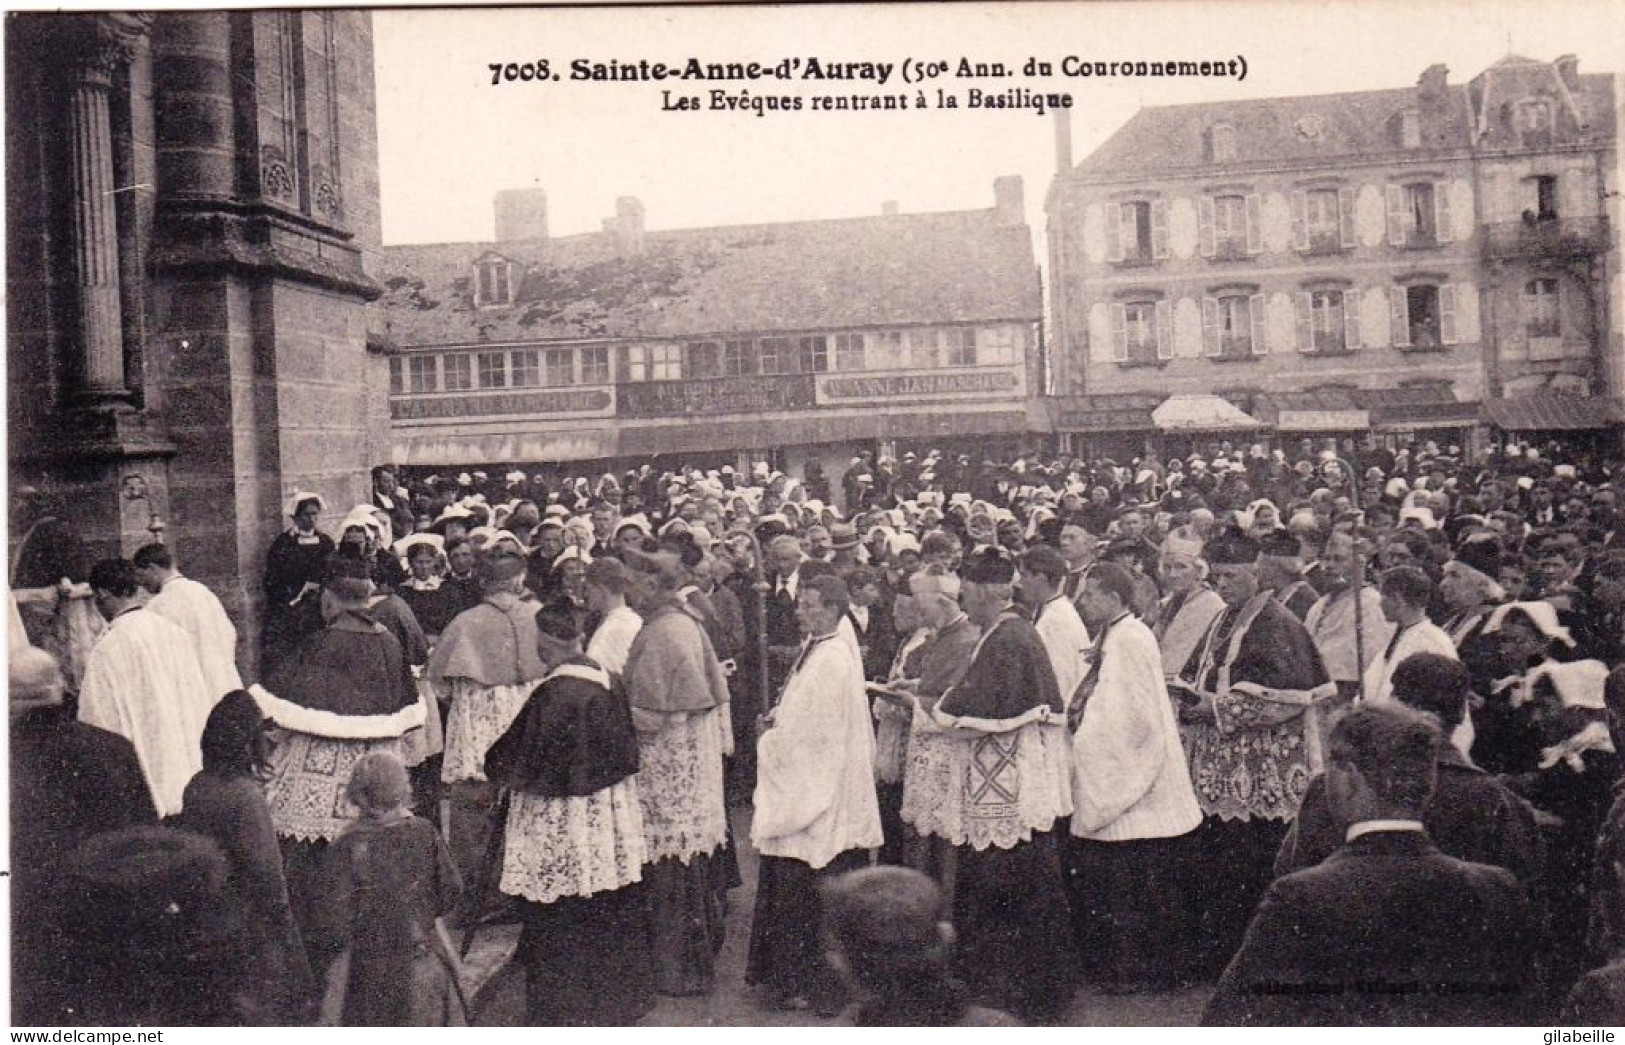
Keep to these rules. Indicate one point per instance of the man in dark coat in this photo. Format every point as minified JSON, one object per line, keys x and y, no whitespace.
{"x":1388,"y":931}
{"x":1473,"y":816}
{"x":69,"y":781}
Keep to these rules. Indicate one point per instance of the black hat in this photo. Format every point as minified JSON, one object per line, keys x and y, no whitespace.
{"x":1481,"y":553}
{"x":348,"y":577}
{"x":1280,"y":544}
{"x":1232,"y":549}
{"x":990,"y":566}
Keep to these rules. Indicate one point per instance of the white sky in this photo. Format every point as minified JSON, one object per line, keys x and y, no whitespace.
{"x":448,"y":139}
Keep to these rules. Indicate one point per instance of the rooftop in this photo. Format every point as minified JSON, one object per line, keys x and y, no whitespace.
{"x":888,"y":270}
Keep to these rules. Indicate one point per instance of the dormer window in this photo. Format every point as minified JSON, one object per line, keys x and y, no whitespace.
{"x":1410,"y":129}
{"x":493,"y":283}
{"x":1533,"y":123}
{"x":1222,"y":143}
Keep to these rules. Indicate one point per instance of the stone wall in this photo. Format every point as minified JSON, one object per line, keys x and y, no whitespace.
{"x":248,"y":232}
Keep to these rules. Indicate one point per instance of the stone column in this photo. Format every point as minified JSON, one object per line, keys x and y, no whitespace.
{"x":101,"y":44}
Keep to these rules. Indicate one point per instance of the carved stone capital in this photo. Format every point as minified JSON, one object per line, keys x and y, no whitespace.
{"x":101,"y":43}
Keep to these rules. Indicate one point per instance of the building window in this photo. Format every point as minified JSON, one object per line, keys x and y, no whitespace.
{"x":739,"y":358}
{"x":653,"y":362}
{"x":702,"y":359}
{"x":493,"y":369}
{"x":523,"y":370}
{"x":595,"y":365}
{"x":1534,"y":123}
{"x":559,"y":367}
{"x":1410,"y":129}
{"x":812,"y":354}
{"x":1545,"y":186}
{"x":1420,"y":218}
{"x":397,"y":376}
{"x":459,"y":372}
{"x":849,"y":352}
{"x":1418,"y":316}
{"x":1235,"y":327}
{"x":1134,"y":231}
{"x":777,"y":356}
{"x":996,"y":346}
{"x":922,"y":349}
{"x":1323,"y":219}
{"x":1140,"y":332}
{"x":1232,"y":326}
{"x":1328,"y":319}
{"x":1230,"y":225}
{"x":1540,"y":308}
{"x":492,"y":282}
{"x":422,"y":373}
{"x":961,"y":349}
{"x":885,"y":350}
{"x":1222,"y":143}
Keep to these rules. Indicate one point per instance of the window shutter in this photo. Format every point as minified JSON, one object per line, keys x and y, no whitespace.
{"x":1210,"y":325}
{"x":1114,"y":231}
{"x":1255,"y":238}
{"x":1442,"y":230}
{"x":1300,"y":220}
{"x":1572,"y":196}
{"x":1119,"y":333}
{"x":1306,"y":331}
{"x":1204,"y":225}
{"x":1165,"y":330}
{"x":1399,"y":323}
{"x":1351,"y":320}
{"x":1260,"y":325}
{"x":1447,"y":313}
{"x":1395,"y":196}
{"x":1345,"y":215}
{"x":1159,"y":229}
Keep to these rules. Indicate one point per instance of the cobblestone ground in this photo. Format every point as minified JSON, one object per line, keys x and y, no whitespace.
{"x":498,"y":987}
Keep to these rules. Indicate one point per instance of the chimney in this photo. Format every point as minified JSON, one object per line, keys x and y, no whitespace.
{"x":629,"y":224}
{"x":889,"y":209}
{"x":1568,"y":67}
{"x":1008,"y":204}
{"x":521,"y":214}
{"x":1432,"y":82}
{"x":1063,"y":140}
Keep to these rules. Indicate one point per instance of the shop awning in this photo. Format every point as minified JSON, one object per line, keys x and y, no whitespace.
{"x":1321,"y":410}
{"x":697,"y":436}
{"x":1553,"y":412}
{"x":1130,"y":412}
{"x":1202,"y":413}
{"x":1425,"y":406}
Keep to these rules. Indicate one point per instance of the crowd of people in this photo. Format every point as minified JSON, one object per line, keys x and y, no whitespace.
{"x":1333,"y":730}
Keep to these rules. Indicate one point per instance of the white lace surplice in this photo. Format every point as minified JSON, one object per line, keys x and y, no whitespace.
{"x":308,"y":777}
{"x":992,"y":790}
{"x":558,"y":847}
{"x":934,"y":783}
{"x":479,"y":716}
{"x":680,"y":786}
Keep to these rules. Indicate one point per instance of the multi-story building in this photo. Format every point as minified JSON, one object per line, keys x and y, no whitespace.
{"x":1326,"y":265}
{"x":717,"y":345}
